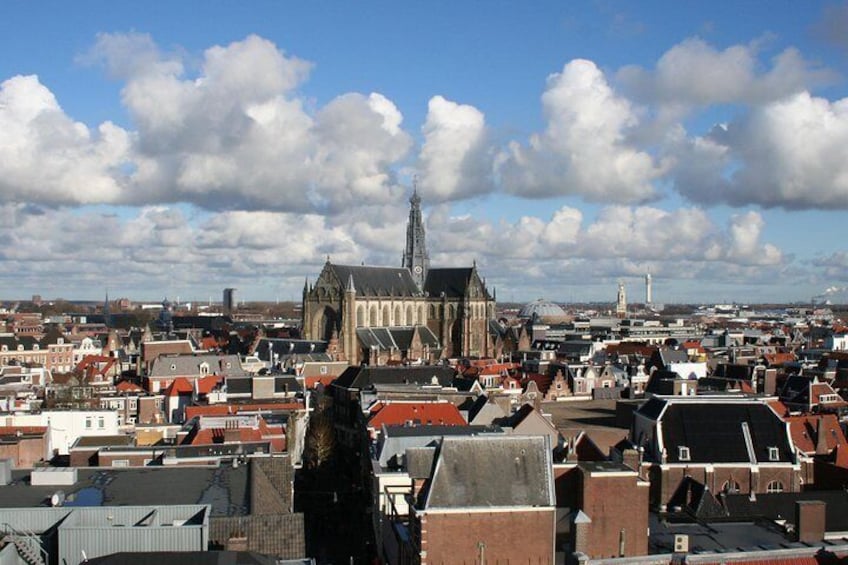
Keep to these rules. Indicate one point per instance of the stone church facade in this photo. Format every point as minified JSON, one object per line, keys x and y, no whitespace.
{"x":412,"y":313}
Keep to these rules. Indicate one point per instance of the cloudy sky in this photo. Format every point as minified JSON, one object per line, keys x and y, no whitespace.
{"x":176,"y":148}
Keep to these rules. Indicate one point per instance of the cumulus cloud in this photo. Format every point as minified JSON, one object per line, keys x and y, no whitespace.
{"x":694,"y":73}
{"x":456,"y":159}
{"x":47,"y":157}
{"x":642,"y":234}
{"x":234,"y":134}
{"x":584,"y":149}
{"x":791,"y":153}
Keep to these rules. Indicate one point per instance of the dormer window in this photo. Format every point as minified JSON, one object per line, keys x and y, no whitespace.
{"x":35,"y":347}
{"x":683,"y":453}
{"x":773,"y":454}
{"x":173,"y":366}
{"x":20,"y":347}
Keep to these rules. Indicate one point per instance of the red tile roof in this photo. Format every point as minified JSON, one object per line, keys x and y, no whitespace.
{"x":804,"y":431}
{"x":435,"y":413}
{"x":180,"y":385}
{"x":127,"y":386}
{"x":205,"y":385}
{"x":276,"y":435}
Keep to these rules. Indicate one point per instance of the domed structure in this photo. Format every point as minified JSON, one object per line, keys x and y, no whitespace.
{"x":543,"y":309}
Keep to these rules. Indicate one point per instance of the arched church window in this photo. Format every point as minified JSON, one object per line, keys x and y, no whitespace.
{"x":451,"y":312}
{"x":373,"y":317}
{"x":397,"y":321}
{"x":420,"y":315}
{"x":360,"y":316}
{"x":774,"y":486}
{"x":432,"y":312}
{"x":410,"y":320}
{"x":386,"y":314}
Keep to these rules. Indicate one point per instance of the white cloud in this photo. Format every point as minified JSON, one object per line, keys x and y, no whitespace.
{"x":584,"y":149}
{"x":236,"y":135}
{"x":791,"y":153}
{"x":694,"y":73}
{"x":47,"y":157}
{"x":456,"y":160}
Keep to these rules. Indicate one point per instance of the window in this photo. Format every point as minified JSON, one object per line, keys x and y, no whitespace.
{"x":774,"y":486}
{"x":683,"y":453}
{"x":121,"y":463}
{"x":730,"y":487}
{"x":323,"y":369}
{"x":773,"y":454}
{"x":133,"y":403}
{"x":88,"y":422}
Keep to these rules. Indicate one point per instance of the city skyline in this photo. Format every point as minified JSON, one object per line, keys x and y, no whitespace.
{"x":175,"y":150}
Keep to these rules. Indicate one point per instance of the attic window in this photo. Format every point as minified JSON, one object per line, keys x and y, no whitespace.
{"x":683,"y":453}
{"x":35,"y":347}
{"x":773,"y":454}
{"x":173,"y":367}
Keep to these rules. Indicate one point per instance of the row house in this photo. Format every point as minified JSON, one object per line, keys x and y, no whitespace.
{"x":51,"y":352}
{"x":135,"y":407}
{"x":730,"y":445}
{"x":164,"y":369}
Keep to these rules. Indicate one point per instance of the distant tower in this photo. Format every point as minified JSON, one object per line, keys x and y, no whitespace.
{"x":621,"y":302}
{"x":648,"y":289}
{"x":229,"y":300}
{"x":415,"y":257}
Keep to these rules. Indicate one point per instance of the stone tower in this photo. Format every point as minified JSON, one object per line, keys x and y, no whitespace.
{"x":621,"y":301}
{"x":415,"y":257}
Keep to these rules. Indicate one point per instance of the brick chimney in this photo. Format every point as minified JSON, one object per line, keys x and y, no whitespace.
{"x":810,"y":520}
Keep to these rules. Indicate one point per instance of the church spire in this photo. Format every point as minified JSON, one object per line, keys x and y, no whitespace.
{"x":415,"y":256}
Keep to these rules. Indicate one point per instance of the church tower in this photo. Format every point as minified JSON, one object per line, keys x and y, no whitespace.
{"x":415,"y":257}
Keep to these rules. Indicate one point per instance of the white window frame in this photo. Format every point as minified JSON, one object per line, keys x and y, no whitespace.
{"x":683,"y":453}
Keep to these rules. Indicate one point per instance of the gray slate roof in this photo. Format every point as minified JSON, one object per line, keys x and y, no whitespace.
{"x":453,"y":282}
{"x":363,"y":377}
{"x":377,"y":281}
{"x":395,"y":440}
{"x":179,"y":365}
{"x":385,"y":338}
{"x":491,"y":471}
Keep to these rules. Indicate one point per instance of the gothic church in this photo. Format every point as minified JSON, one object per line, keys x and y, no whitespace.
{"x":414,"y":313}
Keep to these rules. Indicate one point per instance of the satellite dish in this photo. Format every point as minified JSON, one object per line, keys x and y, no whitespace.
{"x":57,"y":498}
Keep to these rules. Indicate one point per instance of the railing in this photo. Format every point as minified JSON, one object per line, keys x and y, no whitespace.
{"x":27,"y":543}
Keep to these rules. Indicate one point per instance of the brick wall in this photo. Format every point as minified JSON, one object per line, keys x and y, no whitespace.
{"x":457,"y":537}
{"x":618,"y":508}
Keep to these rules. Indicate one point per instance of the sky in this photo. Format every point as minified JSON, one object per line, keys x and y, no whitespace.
{"x":172,"y":149}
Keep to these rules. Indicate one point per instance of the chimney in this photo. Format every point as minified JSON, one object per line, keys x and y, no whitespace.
{"x":810,"y":520}
{"x":231,"y":432}
{"x":821,"y":437}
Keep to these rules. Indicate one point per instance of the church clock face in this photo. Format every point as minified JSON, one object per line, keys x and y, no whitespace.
{"x":417,"y":269}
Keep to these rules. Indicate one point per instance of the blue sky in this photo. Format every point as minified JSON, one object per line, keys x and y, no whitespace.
{"x":180,"y":148}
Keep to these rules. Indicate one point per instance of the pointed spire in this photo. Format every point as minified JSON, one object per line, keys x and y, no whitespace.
{"x":350,"y":285}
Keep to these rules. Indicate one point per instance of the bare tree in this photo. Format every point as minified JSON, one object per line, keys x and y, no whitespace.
{"x":321,"y":439}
